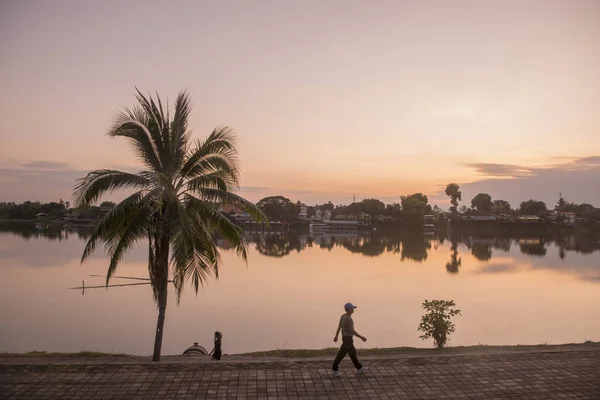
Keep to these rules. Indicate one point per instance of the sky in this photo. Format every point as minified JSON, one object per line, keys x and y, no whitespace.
{"x":330,"y":99}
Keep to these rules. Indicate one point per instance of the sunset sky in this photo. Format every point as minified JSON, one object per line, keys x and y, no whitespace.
{"x":329,"y":98}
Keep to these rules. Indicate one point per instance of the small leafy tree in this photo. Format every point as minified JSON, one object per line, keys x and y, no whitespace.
{"x":436,"y":323}
{"x":453,"y":191}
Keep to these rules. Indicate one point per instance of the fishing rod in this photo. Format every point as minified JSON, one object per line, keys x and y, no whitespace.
{"x":123,"y":277}
{"x":83,"y":287}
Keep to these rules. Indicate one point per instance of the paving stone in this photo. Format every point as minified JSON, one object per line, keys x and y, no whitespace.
{"x":545,"y":375}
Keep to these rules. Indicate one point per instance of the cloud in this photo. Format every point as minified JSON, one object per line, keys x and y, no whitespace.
{"x":47,"y":165}
{"x":501,"y":170}
{"x":578,"y":180}
{"x":41,"y":181}
{"x":254,"y":189}
{"x":497,"y":268}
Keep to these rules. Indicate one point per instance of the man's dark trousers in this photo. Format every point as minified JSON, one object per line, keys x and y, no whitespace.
{"x":347,"y":347}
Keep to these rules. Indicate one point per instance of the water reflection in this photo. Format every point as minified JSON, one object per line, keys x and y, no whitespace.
{"x":410,"y":246}
{"x":28,"y":230}
{"x":415,"y":246}
{"x":454,"y":265}
{"x":549,"y":277}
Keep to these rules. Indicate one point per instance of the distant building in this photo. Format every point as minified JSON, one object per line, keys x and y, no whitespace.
{"x":302,"y":210}
{"x":235,"y":213}
{"x":41,"y":215}
{"x":384,"y":218}
{"x":569,"y":218}
{"x":479,"y":218}
{"x":529,"y":218}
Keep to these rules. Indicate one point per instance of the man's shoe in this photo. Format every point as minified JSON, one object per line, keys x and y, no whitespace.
{"x":336,"y":373}
{"x":362,"y":370}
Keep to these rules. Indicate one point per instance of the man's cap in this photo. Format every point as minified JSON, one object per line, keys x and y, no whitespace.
{"x":348,"y":306}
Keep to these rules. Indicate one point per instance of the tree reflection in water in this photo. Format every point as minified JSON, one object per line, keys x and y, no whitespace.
{"x":410,"y":245}
{"x":278,"y":244}
{"x":50,"y":232}
{"x":482,"y":251}
{"x":533,"y":246}
{"x":453,"y":266}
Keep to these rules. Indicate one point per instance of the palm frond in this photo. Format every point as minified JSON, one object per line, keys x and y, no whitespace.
{"x":225,"y":197}
{"x":156,"y":124}
{"x":218,"y":223}
{"x":132,"y":124}
{"x":97,"y":183}
{"x":194,"y":254}
{"x":216,"y":152}
{"x":108,"y":226}
{"x":179,"y":132}
{"x":212,"y":180}
{"x":134,"y":228}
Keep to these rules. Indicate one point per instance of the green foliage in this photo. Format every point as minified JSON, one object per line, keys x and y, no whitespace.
{"x":561,"y":204}
{"x":175,"y":200}
{"x":482,"y":202}
{"x":501,"y":207}
{"x":327,"y":206}
{"x":414,"y":206}
{"x":278,"y":208}
{"x":29,"y":210}
{"x":583,"y":210}
{"x":373,"y":207}
{"x":532,"y":207}
{"x":437,"y":323}
{"x":453,"y":191}
{"x":393,"y":210}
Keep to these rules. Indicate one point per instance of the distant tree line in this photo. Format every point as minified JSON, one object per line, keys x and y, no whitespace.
{"x":29,"y":210}
{"x":482,"y":204}
{"x":412,"y":208}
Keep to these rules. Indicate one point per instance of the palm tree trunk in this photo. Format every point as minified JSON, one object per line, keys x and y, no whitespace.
{"x":163,"y":266}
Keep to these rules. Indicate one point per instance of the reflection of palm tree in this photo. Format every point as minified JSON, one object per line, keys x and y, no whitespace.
{"x":454,"y":265}
{"x":176,"y":200}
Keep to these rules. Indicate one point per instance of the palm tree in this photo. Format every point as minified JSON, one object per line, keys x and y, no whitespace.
{"x":176,"y":199}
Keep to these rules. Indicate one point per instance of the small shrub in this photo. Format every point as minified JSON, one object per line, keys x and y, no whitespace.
{"x":436,"y":323}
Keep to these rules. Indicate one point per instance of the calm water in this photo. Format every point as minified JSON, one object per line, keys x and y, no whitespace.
{"x":525,"y":290}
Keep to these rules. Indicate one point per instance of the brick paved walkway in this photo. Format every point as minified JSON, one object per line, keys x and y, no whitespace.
{"x":536,"y":375}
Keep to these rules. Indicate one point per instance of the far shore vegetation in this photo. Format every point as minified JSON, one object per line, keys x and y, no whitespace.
{"x":331,"y":351}
{"x":411,"y":210}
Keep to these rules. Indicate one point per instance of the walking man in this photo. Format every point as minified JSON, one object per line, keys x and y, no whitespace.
{"x":346,"y":325}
